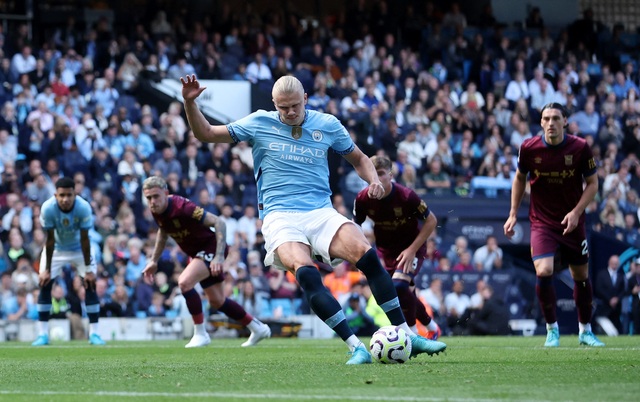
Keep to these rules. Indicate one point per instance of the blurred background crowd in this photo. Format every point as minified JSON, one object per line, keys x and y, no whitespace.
{"x":448,"y":95}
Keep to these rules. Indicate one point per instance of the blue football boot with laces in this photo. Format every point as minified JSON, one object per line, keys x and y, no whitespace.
{"x":589,"y":339}
{"x":94,"y":339}
{"x":553,"y":338}
{"x":360,"y":355}
{"x":423,"y":345}
{"x":41,"y":340}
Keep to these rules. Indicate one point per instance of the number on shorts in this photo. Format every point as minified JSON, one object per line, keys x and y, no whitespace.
{"x":585,"y":247}
{"x":208,"y":257}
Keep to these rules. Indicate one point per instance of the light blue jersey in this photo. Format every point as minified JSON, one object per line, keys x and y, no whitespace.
{"x":67,"y":225}
{"x":290,"y":162}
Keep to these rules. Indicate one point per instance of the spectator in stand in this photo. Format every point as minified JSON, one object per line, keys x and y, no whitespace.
{"x":456,"y":304}
{"x":167,"y":164}
{"x":436,"y":181}
{"x":464,"y":263}
{"x":23,"y":62}
{"x":588,"y":120}
{"x":247,"y":227}
{"x":104,"y":94}
{"x":517,"y":88}
{"x":633,"y":289}
{"x":610,"y":292}
{"x":257,"y":70}
{"x":488,"y":257}
{"x":492,"y":317}
{"x":623,"y":86}
{"x":139,"y":142}
{"x":180,"y":68}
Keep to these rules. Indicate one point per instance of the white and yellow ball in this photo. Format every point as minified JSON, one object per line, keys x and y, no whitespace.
{"x":390,"y":345}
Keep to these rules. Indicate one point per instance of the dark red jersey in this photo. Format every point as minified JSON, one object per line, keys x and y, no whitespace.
{"x":397,"y":219}
{"x":556,"y":176}
{"x":182,"y":220}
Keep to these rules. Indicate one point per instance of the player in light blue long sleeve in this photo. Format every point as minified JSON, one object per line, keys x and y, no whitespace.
{"x":66,"y":219}
{"x":290,"y":150}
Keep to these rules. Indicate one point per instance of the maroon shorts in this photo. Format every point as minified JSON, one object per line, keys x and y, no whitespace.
{"x":207,"y":257}
{"x":390,"y":265}
{"x":571,"y":249}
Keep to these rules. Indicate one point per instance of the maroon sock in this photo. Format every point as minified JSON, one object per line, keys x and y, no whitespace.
{"x":583,"y":295}
{"x":407,"y":301}
{"x":547,"y":298}
{"x":421,"y":312}
{"x":235,"y":311}
{"x":194,"y":305}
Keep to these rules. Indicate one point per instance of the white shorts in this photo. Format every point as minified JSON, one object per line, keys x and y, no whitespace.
{"x":62,"y":258}
{"x":314,"y":228}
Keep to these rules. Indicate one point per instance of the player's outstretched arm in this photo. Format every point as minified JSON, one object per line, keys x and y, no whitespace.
{"x":363,"y":165}
{"x":517,"y":193}
{"x":202,"y":130}
{"x":406,"y":257}
{"x":158,"y":248}
{"x":45,"y":274}
{"x":220,"y":227}
{"x":571,"y":220}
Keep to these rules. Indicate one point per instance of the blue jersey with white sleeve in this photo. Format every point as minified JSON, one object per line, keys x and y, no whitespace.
{"x":66,"y":225}
{"x":290,"y":162}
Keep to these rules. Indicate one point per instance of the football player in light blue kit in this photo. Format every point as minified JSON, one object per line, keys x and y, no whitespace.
{"x":66,"y":219}
{"x":290,"y":149}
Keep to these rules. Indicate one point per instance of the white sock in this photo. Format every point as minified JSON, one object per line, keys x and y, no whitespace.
{"x":407,"y":329}
{"x":414,"y":329}
{"x":353,"y":342}
{"x":553,"y":325}
{"x":584,"y":327}
{"x":43,"y":327}
{"x":93,"y":328}
{"x":199,"y":329}
{"x":432,"y":326}
{"x":254,"y":325}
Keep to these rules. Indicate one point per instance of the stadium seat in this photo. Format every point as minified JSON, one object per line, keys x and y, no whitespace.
{"x":489,"y":185}
{"x":285,"y":305}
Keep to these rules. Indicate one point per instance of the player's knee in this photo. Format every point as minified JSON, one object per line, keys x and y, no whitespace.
{"x":309,"y":278}
{"x":185,"y":285}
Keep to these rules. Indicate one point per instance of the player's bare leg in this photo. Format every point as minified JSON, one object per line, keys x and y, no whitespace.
{"x":195,"y":272}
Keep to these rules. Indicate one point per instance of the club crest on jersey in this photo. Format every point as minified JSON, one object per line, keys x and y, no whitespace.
{"x":176,"y":223}
{"x":296,"y":132}
{"x":537,"y":160}
{"x":568,"y":160}
{"x":317,"y":135}
{"x":397,"y":211}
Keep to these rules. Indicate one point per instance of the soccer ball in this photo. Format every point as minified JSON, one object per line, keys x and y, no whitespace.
{"x":390,"y":345}
{"x":57,"y":334}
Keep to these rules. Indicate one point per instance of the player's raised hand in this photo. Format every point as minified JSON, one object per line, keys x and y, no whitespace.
{"x":150,"y":270}
{"x":191,"y":88}
{"x":376,"y":190}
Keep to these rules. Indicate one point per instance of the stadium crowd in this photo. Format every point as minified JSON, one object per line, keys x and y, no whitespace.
{"x":447,"y":96}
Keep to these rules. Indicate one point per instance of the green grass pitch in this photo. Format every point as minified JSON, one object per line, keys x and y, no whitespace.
{"x":472,"y":369}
